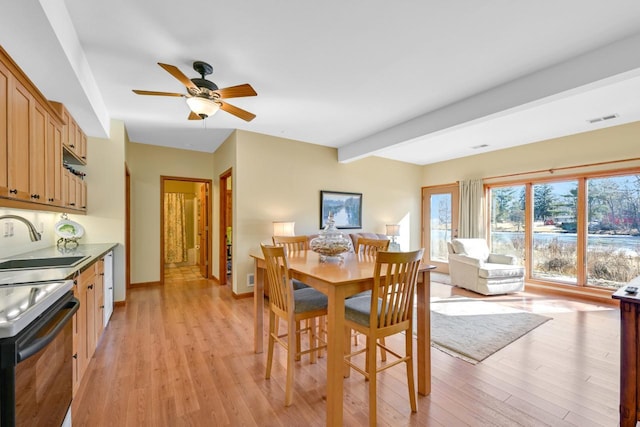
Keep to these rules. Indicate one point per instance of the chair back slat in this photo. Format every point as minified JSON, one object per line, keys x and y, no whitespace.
{"x":367,"y":246}
{"x":395,"y":278}
{"x":280,"y":286}
{"x":292,"y":243}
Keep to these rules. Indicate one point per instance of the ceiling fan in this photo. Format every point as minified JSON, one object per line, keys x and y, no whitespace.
{"x":204,"y":98}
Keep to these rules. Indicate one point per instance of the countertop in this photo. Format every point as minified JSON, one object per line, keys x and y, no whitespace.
{"x":94,"y":251}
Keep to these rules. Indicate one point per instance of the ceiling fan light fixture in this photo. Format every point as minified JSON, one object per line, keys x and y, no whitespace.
{"x":203,"y":107}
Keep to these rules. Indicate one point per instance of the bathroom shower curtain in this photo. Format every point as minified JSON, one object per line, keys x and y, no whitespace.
{"x":175,"y":234}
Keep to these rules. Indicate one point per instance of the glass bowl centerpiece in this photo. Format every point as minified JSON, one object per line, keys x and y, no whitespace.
{"x":331,"y":243}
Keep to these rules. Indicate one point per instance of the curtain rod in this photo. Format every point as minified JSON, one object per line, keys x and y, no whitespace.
{"x":552,"y":170}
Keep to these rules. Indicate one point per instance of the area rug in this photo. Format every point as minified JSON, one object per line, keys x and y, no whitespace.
{"x":473,"y":330}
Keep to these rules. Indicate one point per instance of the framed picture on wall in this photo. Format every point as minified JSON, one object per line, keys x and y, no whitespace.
{"x":346,"y":208}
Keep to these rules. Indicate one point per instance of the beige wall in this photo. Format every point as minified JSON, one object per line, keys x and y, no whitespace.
{"x":604,"y":145}
{"x":146,"y":164}
{"x":224,"y":159}
{"x":280,"y":179}
{"x":105,"y":219}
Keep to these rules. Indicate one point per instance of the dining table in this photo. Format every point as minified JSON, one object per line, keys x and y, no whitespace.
{"x":339,"y":278}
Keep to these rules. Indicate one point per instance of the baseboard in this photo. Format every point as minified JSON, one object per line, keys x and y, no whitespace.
{"x":119,"y":303}
{"x":243,"y":295}
{"x":601,"y":296}
{"x":144,"y":284}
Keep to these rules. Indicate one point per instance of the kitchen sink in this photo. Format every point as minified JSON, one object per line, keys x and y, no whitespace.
{"x":37,"y":263}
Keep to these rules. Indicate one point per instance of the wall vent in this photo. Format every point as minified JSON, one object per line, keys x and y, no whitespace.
{"x":250,"y":280}
{"x":603,"y":118}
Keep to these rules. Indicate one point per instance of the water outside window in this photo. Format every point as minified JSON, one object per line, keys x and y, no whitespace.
{"x":613,"y":239}
{"x":555,"y":242}
{"x":507,"y":221}
{"x":611,"y":234}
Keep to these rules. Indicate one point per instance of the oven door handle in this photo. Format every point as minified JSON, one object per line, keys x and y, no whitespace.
{"x":37,"y":344}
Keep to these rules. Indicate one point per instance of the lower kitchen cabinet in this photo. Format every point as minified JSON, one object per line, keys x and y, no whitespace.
{"x":88,"y":322}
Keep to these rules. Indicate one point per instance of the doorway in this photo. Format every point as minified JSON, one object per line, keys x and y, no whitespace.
{"x":185,"y":236}
{"x":439,"y":223}
{"x":226,"y":228}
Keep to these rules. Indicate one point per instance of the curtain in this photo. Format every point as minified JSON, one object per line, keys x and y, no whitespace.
{"x":471,"y":218}
{"x":175,"y":235}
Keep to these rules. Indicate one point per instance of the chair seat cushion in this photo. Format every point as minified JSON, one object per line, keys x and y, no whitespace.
{"x":308,"y":299}
{"x":490,"y":271}
{"x":297,"y":284}
{"x":357,"y":309}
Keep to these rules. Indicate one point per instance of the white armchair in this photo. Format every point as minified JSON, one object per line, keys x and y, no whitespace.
{"x":472,"y":267}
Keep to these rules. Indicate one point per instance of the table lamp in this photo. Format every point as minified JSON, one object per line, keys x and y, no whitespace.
{"x":283,"y":228}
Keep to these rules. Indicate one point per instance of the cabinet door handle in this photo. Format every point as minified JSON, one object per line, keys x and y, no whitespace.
{"x":75,"y":356}
{"x":90,"y":287}
{"x":14,"y":191}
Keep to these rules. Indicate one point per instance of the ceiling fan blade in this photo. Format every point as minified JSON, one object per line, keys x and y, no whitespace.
{"x":194,"y":116}
{"x":238,"y":112}
{"x":237,"y":91}
{"x":175,"y":72}
{"x":148,"y":92}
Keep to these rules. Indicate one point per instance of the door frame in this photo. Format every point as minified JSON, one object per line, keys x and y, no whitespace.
{"x":222,"y":194}
{"x":427,"y":192}
{"x":208,"y":213}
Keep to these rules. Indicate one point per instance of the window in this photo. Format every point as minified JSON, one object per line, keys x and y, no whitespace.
{"x":583,"y":231}
{"x":554,"y":242}
{"x":507,"y":226}
{"x":613,"y":225}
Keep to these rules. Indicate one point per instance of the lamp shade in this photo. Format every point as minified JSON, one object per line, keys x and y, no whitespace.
{"x":393,"y":229}
{"x":203,"y":107}
{"x":283,"y":228}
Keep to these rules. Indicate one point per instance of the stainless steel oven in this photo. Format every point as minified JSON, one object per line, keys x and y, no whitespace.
{"x":36,"y":345}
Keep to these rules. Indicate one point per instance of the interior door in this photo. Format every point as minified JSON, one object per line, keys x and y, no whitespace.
{"x":439,"y":223}
{"x":203,"y":230}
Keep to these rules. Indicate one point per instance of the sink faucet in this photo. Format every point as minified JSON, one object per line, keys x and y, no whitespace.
{"x":33,"y":233}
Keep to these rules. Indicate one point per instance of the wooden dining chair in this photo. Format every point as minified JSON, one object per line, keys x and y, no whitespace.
{"x":292,"y":243}
{"x":366,"y":247}
{"x":293,"y":306}
{"x":371,"y":246}
{"x":388,"y":310}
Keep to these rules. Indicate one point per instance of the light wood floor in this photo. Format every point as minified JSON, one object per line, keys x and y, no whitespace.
{"x":183,"y":355}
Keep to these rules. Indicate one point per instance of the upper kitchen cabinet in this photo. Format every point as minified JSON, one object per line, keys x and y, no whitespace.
{"x":74,"y":139}
{"x":4,"y":104}
{"x":33,"y":136}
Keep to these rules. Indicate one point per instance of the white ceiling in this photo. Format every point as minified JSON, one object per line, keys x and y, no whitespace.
{"x":416,"y":81}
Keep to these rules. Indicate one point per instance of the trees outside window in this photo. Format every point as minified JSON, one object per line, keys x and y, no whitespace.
{"x":584,"y":231}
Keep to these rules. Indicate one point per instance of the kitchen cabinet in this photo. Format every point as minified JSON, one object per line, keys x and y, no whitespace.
{"x":90,"y":319}
{"x":53,"y":161}
{"x":79,"y":335}
{"x":5,"y":77}
{"x":74,"y":139}
{"x":84,"y":336}
{"x":34,"y":143}
{"x":19,"y":115}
